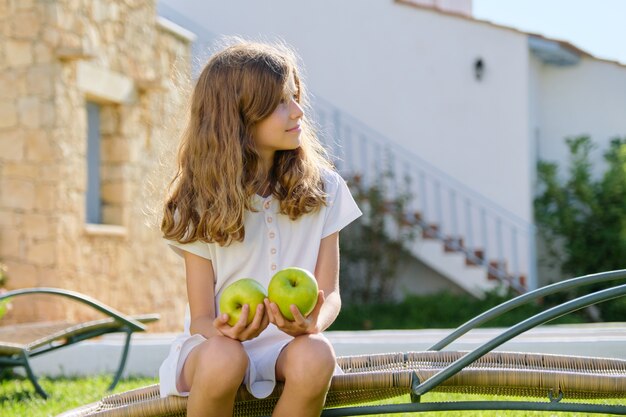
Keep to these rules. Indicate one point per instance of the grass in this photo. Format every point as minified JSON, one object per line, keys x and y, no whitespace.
{"x":17,"y":398}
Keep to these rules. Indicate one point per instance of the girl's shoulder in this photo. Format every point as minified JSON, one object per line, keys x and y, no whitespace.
{"x":332,"y":179}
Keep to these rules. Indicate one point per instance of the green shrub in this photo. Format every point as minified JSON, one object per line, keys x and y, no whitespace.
{"x":582,"y":218}
{"x":441,"y":310}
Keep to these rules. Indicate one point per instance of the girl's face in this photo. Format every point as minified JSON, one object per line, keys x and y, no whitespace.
{"x":280,"y":130}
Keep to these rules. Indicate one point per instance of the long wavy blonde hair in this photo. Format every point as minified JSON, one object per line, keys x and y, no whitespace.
{"x":219,"y":169}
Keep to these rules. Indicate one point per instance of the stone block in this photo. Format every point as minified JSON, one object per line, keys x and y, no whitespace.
{"x":12,"y":145}
{"x":51,"y":36}
{"x":8,"y":114}
{"x":21,"y":274}
{"x":39,"y":226}
{"x":43,"y":53}
{"x":112,"y":214}
{"x":19,"y":53}
{"x":115,"y":150}
{"x":50,"y":277}
{"x":68,"y":251}
{"x":48,"y":112}
{"x":8,"y":85}
{"x":110,"y":173}
{"x":17,"y":193}
{"x":109,"y":120}
{"x":4,"y":9}
{"x":46,"y":197}
{"x":98,"y":11}
{"x":19,"y":170}
{"x":29,"y":111}
{"x":10,"y":218}
{"x":4,"y":65}
{"x":114,"y":193}
{"x":51,"y":172}
{"x":24,"y":4}
{"x":11,"y":246}
{"x":105,"y":84}
{"x":42,"y":253}
{"x":25,"y":25}
{"x":40,"y":147}
{"x":40,"y":80}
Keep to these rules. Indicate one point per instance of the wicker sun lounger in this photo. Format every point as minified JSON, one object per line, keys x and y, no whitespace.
{"x":553,"y":380}
{"x":20,"y":342}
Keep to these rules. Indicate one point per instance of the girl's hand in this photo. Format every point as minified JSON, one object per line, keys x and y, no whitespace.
{"x":240,"y":331}
{"x":300,"y":325}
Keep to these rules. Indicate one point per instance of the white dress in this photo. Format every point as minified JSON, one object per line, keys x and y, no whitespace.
{"x":272,"y":242}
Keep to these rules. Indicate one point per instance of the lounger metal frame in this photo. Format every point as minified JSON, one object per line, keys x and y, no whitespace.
{"x":17,"y":354}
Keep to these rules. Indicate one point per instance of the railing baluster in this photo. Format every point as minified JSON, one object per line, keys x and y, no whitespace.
{"x":486,"y":249}
{"x":377,"y":162}
{"x":424,"y":197}
{"x":438,"y":205}
{"x":468,"y":226}
{"x":453,"y":214}
{"x":407,"y":182}
{"x":514,"y":255}
{"x":348,"y":155}
{"x":394,"y":171}
{"x":499,"y":244}
{"x":364,"y":160}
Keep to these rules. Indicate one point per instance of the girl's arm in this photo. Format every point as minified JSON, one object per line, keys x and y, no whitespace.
{"x":327,"y":274}
{"x":328,"y":300}
{"x":201,"y":296}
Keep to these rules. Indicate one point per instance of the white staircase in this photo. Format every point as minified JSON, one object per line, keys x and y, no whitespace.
{"x":463,"y":236}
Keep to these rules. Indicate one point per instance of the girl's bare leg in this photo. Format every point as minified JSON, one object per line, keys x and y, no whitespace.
{"x":306,"y":365}
{"x":214,"y":370}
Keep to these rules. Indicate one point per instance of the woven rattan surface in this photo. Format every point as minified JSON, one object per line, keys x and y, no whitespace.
{"x":29,"y":336}
{"x":376,"y":377}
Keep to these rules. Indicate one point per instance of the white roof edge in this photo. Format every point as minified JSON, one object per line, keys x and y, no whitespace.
{"x":176,"y":29}
{"x":553,"y":52}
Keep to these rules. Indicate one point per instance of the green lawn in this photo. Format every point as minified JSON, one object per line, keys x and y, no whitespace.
{"x":17,"y":398}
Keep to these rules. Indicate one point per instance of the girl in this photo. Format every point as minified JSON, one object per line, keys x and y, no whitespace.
{"x":254,"y":193}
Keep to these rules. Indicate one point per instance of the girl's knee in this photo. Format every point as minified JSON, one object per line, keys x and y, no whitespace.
{"x":311,"y":357}
{"x":221,"y":357}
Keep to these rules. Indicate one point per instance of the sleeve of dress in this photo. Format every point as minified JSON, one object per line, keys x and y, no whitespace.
{"x":197,"y":248}
{"x":342,"y":209}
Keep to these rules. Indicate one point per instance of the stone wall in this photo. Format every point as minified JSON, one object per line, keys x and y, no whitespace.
{"x":55,"y":55}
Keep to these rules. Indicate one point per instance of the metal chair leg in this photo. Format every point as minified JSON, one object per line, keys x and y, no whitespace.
{"x":120,"y":368}
{"x":32,"y":377}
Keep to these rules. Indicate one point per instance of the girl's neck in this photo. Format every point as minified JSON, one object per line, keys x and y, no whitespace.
{"x":266,"y":162}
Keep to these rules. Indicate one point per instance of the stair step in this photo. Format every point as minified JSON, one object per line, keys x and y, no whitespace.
{"x":479,"y":254}
{"x":453,"y":244}
{"x":498,"y":265}
{"x":523,"y":281}
{"x":430,"y":231}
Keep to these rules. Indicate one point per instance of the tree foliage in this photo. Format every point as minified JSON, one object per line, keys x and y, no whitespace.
{"x":582,"y":218}
{"x":372,"y":246}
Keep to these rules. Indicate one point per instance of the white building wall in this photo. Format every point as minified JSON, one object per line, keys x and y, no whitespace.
{"x":408,"y":73}
{"x":534,"y":113}
{"x":586,"y":99}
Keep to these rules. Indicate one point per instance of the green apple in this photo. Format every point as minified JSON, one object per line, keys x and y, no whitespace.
{"x":293,"y":286}
{"x":240,"y":292}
